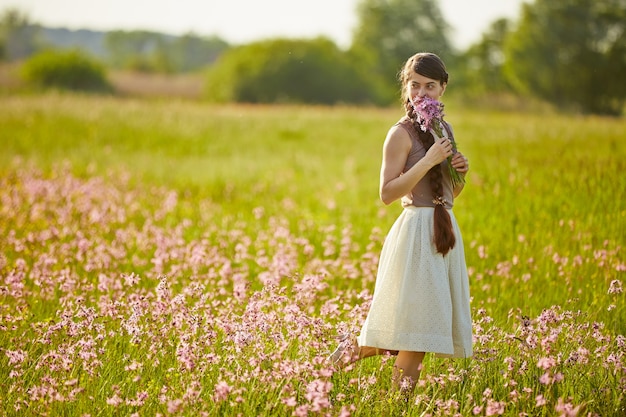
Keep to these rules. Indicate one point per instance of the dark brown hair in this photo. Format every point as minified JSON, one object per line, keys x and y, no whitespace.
{"x":431,"y":66}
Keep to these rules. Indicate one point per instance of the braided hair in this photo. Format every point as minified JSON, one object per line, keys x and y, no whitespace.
{"x":431,"y":66}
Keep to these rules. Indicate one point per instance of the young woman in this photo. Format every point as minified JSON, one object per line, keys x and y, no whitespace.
{"x":421,"y":297}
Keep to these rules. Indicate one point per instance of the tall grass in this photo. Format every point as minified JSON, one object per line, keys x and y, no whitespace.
{"x":186,"y":259}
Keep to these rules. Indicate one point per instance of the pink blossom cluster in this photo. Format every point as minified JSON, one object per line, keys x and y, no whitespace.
{"x":428,"y":112}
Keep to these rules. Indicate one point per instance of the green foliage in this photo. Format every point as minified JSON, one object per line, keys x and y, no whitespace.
{"x":138,"y":50}
{"x":155,"y":52}
{"x":483,"y":61}
{"x":286,"y":71}
{"x":390,"y":31}
{"x":19,"y":37}
{"x":69,"y":70}
{"x":571,"y":53}
{"x":191,"y":52}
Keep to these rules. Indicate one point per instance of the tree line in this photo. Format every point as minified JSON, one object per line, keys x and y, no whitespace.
{"x":137,"y":50}
{"x":571,"y":53}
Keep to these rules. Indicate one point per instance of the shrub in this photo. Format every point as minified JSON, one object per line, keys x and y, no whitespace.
{"x":69,"y":70}
{"x":287,"y":71}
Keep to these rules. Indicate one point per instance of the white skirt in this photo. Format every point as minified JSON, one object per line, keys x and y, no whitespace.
{"x":421,"y":299}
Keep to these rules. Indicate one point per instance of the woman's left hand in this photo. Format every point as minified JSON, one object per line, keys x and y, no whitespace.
{"x":460,"y":163}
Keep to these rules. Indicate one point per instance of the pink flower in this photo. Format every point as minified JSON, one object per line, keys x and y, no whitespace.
{"x":16,"y":356}
{"x":115,"y":400}
{"x":540,"y":400}
{"x":510,"y":363}
{"x":566,"y":409}
{"x":317,"y":394}
{"x":345,"y":412}
{"x":615,"y":287}
{"x":546,"y":363}
{"x":494,"y":408}
{"x":71,"y":382}
{"x":429,"y":113}
{"x":290,"y":402}
{"x":174,"y":406}
{"x":301,"y":411}
{"x":582,"y":355}
{"x":131,"y":280}
{"x":222,"y":389}
{"x":545,"y":379}
{"x":186,"y":355}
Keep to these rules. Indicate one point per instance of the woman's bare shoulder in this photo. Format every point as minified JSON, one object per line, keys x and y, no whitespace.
{"x":398,"y":135}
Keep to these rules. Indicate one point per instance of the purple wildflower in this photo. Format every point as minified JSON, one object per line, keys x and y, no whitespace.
{"x":429,"y":115}
{"x":615,"y":287}
{"x":16,"y":356}
{"x":566,"y":409}
{"x":495,"y":408}
{"x":221,"y":391}
{"x":546,"y":363}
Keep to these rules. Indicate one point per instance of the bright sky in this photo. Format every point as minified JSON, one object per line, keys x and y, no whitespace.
{"x":242,"y":21}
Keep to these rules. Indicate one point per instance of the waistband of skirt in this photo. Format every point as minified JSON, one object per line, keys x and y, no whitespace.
{"x":417,"y":208}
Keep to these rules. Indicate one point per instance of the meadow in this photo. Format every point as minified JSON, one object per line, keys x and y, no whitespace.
{"x":170,"y":257}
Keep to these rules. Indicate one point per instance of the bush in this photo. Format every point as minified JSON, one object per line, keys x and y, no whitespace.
{"x":69,"y":70}
{"x":287,"y":71}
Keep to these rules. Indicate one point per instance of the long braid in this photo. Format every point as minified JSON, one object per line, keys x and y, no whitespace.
{"x":444,"y":234}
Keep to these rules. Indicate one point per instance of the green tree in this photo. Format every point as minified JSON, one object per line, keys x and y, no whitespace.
{"x":286,"y":71}
{"x":191,"y":52}
{"x":390,"y":31}
{"x":139,"y":50}
{"x":67,"y":70}
{"x":483,"y":61}
{"x":19,"y":37}
{"x":156,"y":52}
{"x":571,"y":53}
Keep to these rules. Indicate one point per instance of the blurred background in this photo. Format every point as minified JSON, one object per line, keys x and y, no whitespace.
{"x":569,"y":54}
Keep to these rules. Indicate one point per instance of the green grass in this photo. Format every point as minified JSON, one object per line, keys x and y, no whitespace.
{"x":285,"y":193}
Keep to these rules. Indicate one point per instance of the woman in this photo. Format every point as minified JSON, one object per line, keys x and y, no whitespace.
{"x":421,"y":297}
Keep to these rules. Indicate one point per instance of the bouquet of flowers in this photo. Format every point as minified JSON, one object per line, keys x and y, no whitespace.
{"x":429,"y":114}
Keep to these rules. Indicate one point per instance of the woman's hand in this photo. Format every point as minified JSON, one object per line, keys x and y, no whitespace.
{"x":440,"y":150}
{"x":460,"y":163}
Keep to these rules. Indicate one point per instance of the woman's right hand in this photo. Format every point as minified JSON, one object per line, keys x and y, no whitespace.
{"x":439,"y":151}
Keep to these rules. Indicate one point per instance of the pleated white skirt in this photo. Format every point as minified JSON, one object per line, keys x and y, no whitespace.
{"x":421,"y":298}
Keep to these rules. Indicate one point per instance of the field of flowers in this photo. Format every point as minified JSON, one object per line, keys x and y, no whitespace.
{"x":178,"y":259}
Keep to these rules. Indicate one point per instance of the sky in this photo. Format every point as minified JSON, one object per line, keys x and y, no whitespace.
{"x":243,"y":21}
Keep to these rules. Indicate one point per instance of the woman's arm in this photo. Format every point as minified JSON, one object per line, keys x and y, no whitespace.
{"x":394,"y":184}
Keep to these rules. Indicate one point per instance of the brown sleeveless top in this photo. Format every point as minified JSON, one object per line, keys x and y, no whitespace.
{"x":421,"y":195}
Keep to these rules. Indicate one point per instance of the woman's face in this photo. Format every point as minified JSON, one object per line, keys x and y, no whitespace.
{"x":419,"y":85}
